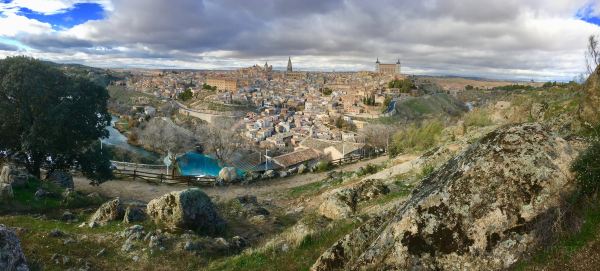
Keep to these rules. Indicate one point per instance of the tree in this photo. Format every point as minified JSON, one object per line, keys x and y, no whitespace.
{"x":219,"y":139}
{"x":51,"y":120}
{"x":185,"y":95}
{"x":592,"y":56}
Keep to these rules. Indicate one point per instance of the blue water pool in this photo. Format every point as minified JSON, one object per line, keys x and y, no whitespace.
{"x":197,"y":164}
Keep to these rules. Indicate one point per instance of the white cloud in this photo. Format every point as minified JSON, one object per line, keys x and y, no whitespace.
{"x":493,"y":38}
{"x":49,"y":7}
{"x":12,"y":25}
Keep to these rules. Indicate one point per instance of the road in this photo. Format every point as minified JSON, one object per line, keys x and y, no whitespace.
{"x":138,"y":190}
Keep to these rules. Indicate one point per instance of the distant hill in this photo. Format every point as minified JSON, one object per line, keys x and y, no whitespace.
{"x":439,"y":104}
{"x":102,"y":77}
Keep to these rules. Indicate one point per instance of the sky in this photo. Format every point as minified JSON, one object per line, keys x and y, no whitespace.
{"x":500,"y":39}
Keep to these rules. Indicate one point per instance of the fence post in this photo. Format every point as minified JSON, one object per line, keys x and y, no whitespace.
{"x":134,"y":173}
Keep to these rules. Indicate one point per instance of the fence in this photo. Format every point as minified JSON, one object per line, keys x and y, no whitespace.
{"x":358,"y":157}
{"x":137,"y":172}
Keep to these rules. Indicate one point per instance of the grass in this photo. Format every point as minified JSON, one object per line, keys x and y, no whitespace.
{"x":416,"y":137}
{"x":306,"y":189}
{"x":477,"y":118}
{"x":569,"y":245}
{"x":298,"y":258}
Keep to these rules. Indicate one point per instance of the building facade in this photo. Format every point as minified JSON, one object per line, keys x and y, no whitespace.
{"x":388,"y":68}
{"x":223,"y":84}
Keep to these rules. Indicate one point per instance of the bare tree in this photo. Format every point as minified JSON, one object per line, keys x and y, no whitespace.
{"x":592,"y":55}
{"x":163,"y":135}
{"x":379,"y":135}
{"x":220,"y":139}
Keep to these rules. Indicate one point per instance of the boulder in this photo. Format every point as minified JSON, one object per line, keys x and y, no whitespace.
{"x":228,"y":174}
{"x":302,"y":168}
{"x":188,"y":209}
{"x":6,"y":192}
{"x":341,"y":203}
{"x":12,"y":257}
{"x":269,"y":174}
{"x":109,"y":211}
{"x":482,"y":210}
{"x":133,"y":214}
{"x":9,"y":174}
{"x":61,"y":178}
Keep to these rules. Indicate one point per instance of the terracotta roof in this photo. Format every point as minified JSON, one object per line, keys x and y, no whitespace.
{"x":296,"y":157}
{"x":316,"y":144}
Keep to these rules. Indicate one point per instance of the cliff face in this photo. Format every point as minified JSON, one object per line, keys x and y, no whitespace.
{"x":589,"y":110}
{"x":482,"y":210}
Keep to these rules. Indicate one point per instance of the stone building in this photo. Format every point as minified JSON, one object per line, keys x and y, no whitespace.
{"x":393,"y":69}
{"x":223,"y":84}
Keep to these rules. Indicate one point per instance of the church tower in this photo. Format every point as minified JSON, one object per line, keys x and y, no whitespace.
{"x":377,"y":65}
{"x":289,"y":66}
{"x":398,"y":65}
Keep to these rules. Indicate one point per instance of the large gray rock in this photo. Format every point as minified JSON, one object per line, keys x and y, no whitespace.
{"x":11,"y":255}
{"x":482,"y":210}
{"x":6,"y":192}
{"x":109,"y":211}
{"x":188,"y":209}
{"x":61,"y":179}
{"x":228,"y":174}
{"x":341,"y":203}
{"x":13,"y":176}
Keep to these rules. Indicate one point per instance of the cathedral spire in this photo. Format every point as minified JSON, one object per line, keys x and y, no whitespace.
{"x":289,"y":66}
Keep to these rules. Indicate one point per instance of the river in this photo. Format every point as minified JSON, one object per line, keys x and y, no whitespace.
{"x":118,"y":140}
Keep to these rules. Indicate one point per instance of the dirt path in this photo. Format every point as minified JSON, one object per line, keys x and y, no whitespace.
{"x":137,"y":190}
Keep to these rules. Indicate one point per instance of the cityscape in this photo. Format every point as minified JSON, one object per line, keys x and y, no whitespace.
{"x":299,"y":135}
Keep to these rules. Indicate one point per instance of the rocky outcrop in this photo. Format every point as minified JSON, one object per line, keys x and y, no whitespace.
{"x":11,"y":255}
{"x":342,"y":203}
{"x":109,"y":211}
{"x":61,"y":179}
{"x":188,"y":209}
{"x":228,"y":174}
{"x":12,"y":176}
{"x":482,"y":210}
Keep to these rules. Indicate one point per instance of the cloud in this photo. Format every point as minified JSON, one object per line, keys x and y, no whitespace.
{"x":49,"y":7}
{"x":8,"y":47}
{"x":11,"y":25}
{"x":494,"y":38}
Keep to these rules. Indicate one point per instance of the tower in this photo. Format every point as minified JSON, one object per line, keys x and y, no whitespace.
{"x":289,"y":66}
{"x":377,"y":65}
{"x":398,"y":65}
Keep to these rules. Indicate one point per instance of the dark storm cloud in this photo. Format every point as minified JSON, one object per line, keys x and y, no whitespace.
{"x":8,"y":47}
{"x":499,"y":36}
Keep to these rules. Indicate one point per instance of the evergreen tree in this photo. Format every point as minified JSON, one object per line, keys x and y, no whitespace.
{"x":51,"y":120}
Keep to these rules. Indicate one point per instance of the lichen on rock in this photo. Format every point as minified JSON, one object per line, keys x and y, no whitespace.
{"x":479,"y":211}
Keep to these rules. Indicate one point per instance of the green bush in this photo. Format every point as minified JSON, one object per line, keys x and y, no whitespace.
{"x":323,"y":166}
{"x":426,"y":170}
{"x":587,"y":169}
{"x":416,"y":137}
{"x":368,"y":169}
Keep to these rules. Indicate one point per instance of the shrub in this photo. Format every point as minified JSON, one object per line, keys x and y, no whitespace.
{"x":368,"y":169}
{"x":426,"y":170}
{"x":416,"y":137}
{"x":478,"y":118}
{"x":323,"y":166}
{"x":587,"y":169}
